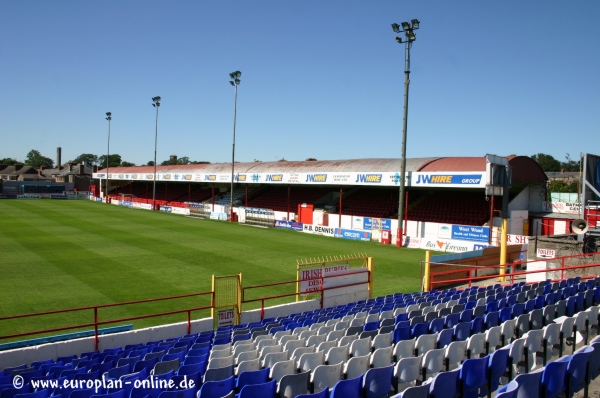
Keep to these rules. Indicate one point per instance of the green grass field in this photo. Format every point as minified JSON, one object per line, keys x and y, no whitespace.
{"x":65,"y":254}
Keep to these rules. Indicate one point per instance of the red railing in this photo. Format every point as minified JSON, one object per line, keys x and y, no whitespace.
{"x":96,"y":323}
{"x":318,"y":291}
{"x":510,"y":266}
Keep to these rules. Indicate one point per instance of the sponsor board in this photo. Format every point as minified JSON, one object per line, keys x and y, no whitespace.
{"x":297,"y":226}
{"x":127,"y":203}
{"x":283,"y":224}
{"x":445,"y":231}
{"x":444,"y":245}
{"x":447,"y":179}
{"x":384,"y":224}
{"x":357,"y":223}
{"x":8,"y":196}
{"x":180,"y":210}
{"x":561,"y":207}
{"x":517,"y":239}
{"x":545,"y":253}
{"x":29,"y":196}
{"x":225,"y":318}
{"x":99,"y":199}
{"x":352,"y":234}
{"x":469,"y":232}
{"x":411,"y":243}
{"x":166,"y":209}
{"x":61,"y":197}
{"x":318,"y":230}
{"x":145,"y":206}
{"x":480,"y":247}
{"x":311,"y":279}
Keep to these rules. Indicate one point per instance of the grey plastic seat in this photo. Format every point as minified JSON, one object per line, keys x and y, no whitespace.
{"x":433,"y":362}
{"x":522,"y":325}
{"x":324,"y":330}
{"x":162,"y":368}
{"x":372,"y":318}
{"x":310,"y":360}
{"x":536,"y":319}
{"x":273,"y":357}
{"x":333,"y":322}
{"x":342,"y":325}
{"x":566,"y":331}
{"x":336,"y":335}
{"x":246,"y":356}
{"x":285,"y":338}
{"x":281,"y":333}
{"x":291,"y":345}
{"x":550,"y":341}
{"x":493,"y":339}
{"x":357,"y":322}
{"x":381,"y":357}
{"x":268,"y":350}
{"x":299,"y":330}
{"x":266,"y":342}
{"x":280,"y":369}
{"x":315,"y":340}
{"x":404,"y":349}
{"x":247,"y":366}
{"x":298,"y":352}
{"x":516,"y":355}
{"x":533,"y":346}
{"x":476,"y":345}
{"x":225,"y":352}
{"x":356,"y":366}
{"x":326,"y":346}
{"x":337,"y":355}
{"x":549,"y":313}
{"x":508,"y":331}
{"x":406,"y":372}
{"x":326,"y":376}
{"x":425,"y":343}
{"x":292,"y":385}
{"x":354,"y":330}
{"x":455,"y":354}
{"x":478,"y":311}
{"x":316,"y":326}
{"x":360,"y":347}
{"x":307,"y":333}
{"x":581,"y":324}
{"x":220,"y":362}
{"x":237,"y":349}
{"x":347,"y":340}
{"x":382,"y":340}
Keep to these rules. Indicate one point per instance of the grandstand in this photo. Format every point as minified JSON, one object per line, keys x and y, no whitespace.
{"x":526,"y":339}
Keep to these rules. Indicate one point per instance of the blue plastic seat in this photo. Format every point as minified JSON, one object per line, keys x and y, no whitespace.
{"x":577,"y":375}
{"x":506,"y":314}
{"x":38,"y":394}
{"x":529,"y":306}
{"x":472,"y":377}
{"x":491,"y":319}
{"x":371,"y":326}
{"x":436,"y":325}
{"x":508,"y":391}
{"x":442,"y":383}
{"x":264,"y":390}
{"x":147,"y":364}
{"x":377,"y":382}
{"x":184,"y":393}
{"x":571,"y":302}
{"x":466,"y":316}
{"x":419,"y":329}
{"x":477,"y":325}
{"x":252,"y":377}
{"x":415,"y":392}
{"x":216,"y":388}
{"x":518,"y":309}
{"x":553,"y":379}
{"x":451,"y":320}
{"x":445,"y":337}
{"x":496,"y":367}
{"x":462,"y":331}
{"x":402,"y":333}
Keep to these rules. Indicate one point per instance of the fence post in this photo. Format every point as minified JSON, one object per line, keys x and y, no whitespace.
{"x":426,"y":277}
{"x":370,"y":268}
{"x":470,"y":276}
{"x":562,"y":266}
{"x":96,"y":342}
{"x":262,"y":309}
{"x":189,"y":322}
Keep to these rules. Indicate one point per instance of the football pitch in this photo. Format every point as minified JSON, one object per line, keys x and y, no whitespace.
{"x":65,"y":254}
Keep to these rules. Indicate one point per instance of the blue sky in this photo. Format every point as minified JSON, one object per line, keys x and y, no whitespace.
{"x":320,"y":79}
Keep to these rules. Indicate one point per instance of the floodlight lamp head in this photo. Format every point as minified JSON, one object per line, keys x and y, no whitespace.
{"x":415,"y":23}
{"x":399,"y":39}
{"x":237,"y":81}
{"x":405,"y":26}
{"x":238,"y":74}
{"x":411,"y":36}
{"x":396,"y":27}
{"x":230,"y":82}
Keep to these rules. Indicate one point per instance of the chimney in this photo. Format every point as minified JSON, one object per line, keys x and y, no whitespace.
{"x":70,"y":166}
{"x":58,"y":156}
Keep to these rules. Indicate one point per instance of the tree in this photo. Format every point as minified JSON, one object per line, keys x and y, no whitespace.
{"x":9,"y":161}
{"x":570,"y":164}
{"x":113,"y":161}
{"x":34,"y":158}
{"x":547,"y":162}
{"x":127,"y":164}
{"x":150,"y":163}
{"x":88,"y":158}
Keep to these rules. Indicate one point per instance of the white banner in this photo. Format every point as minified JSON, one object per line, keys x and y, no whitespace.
{"x":311,"y":279}
{"x":318,"y":230}
{"x":562,"y":207}
{"x":180,"y":210}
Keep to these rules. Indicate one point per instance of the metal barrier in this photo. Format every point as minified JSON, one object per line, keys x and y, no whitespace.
{"x":96,"y":322}
{"x":319,"y":292}
{"x":472,"y":277}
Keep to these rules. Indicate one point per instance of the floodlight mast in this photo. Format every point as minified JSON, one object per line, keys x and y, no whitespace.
{"x":109,"y":118}
{"x":235,"y":82}
{"x":156,"y":104}
{"x":409,"y":37}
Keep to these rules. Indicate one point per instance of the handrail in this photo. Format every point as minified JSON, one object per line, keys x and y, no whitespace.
{"x":96,"y":323}
{"x":320,"y":290}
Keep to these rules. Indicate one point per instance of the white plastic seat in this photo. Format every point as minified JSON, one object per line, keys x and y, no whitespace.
{"x":360,"y":347}
{"x":281,"y":369}
{"x":247,"y":366}
{"x":333,"y":322}
{"x":433,"y":362}
{"x":372,"y":318}
{"x":324,"y":330}
{"x":476,"y":345}
{"x":298,"y":352}
{"x":246,"y":356}
{"x":243,"y":347}
{"x":356,"y":366}
{"x":404,"y":349}
{"x":566,"y":329}
{"x":337,"y":355}
{"x":262,"y":337}
{"x":389,"y":314}
{"x":592,"y":318}
{"x":360,"y":315}
{"x":407,"y":371}
{"x":398,"y":311}
{"x":357,"y":322}
{"x":580,"y":324}
{"x":493,"y":339}
{"x":551,"y":340}
{"x":220,"y":362}
{"x":326,"y":376}
{"x":220,"y":353}
{"x":307,"y":333}
{"x":299,"y":330}
{"x":316,"y":326}
{"x":291,"y":345}
{"x":425,"y":343}
{"x":455,"y":354}
{"x":310,"y":360}
{"x":221,"y":347}
{"x":269,"y":349}
{"x":347,"y":340}
{"x":533,"y":345}
{"x":266,"y":342}
{"x":347,"y":318}
{"x":382,"y":357}
{"x":278,"y":335}
{"x":273,"y":357}
{"x":335,"y":335}
{"x":326,"y":346}
{"x":508,"y":330}
{"x":315,"y":340}
{"x":285,"y":338}
{"x":516,"y":354}
{"x":342,"y":325}
{"x":382,"y":340}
